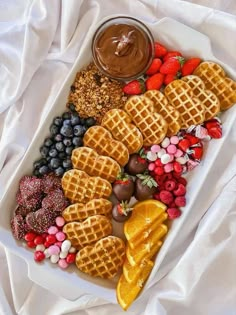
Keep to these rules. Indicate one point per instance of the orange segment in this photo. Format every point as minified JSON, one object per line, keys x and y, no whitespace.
{"x":147,"y":249}
{"x":132,"y":273}
{"x":143,"y":215}
{"x":133,"y":243}
{"x":127,"y":292}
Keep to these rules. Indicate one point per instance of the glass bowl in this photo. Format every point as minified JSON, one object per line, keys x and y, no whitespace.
{"x":123,"y":48}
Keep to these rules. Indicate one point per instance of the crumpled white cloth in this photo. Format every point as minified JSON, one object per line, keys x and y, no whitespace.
{"x":39,"y":41}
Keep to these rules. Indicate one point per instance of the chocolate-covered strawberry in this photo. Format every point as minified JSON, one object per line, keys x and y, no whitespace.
{"x":137,"y":163}
{"x":145,"y":187}
{"x":123,"y":187}
{"x":121,"y":212}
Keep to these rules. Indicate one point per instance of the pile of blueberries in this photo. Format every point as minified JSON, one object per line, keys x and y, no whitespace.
{"x":66,"y":134}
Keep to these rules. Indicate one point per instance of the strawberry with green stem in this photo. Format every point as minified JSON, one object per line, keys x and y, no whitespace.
{"x":122,"y":211}
{"x":145,"y":187}
{"x":137,"y":163}
{"x":123,"y":187}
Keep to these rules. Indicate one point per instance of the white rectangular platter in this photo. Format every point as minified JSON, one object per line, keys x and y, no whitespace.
{"x":70,"y":284}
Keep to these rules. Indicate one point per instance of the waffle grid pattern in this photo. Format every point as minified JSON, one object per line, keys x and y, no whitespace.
{"x":89,"y":231}
{"x":119,"y":124}
{"x":102,"y":260}
{"x":100,"y":139}
{"x":87,"y":160}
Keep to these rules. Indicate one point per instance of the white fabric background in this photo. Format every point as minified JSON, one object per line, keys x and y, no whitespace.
{"x":39,"y":41}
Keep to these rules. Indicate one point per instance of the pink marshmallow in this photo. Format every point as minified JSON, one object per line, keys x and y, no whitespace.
{"x":53,"y":250}
{"x":155,"y":148}
{"x":171,"y":149}
{"x":60,"y":236}
{"x":178,"y":153}
{"x":62,"y":263}
{"x":168,"y":167}
{"x":151,"y":166}
{"x":52,"y":230}
{"x":60,"y":221}
{"x":174,"y":140}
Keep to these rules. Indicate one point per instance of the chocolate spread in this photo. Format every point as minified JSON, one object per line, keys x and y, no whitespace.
{"x":122,"y":50}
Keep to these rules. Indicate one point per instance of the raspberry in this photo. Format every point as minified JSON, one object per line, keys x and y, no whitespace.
{"x":177,"y":167}
{"x":166,"y":197}
{"x":176,"y":175}
{"x":167,"y":177}
{"x":170,"y":185}
{"x":172,"y":205}
{"x":180,"y":201}
{"x":180,"y":191}
{"x":157,"y":196}
{"x":173,"y":213}
{"x":159,"y":170}
{"x":182,"y":181}
{"x":158,"y":162}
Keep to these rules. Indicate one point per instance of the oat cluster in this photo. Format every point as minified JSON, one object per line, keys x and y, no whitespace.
{"x":93,"y":94}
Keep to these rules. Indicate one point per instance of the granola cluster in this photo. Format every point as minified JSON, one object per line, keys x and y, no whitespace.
{"x":93,"y":94}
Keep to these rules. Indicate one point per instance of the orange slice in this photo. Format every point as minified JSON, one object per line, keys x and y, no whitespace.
{"x":143,"y":216}
{"x":127,"y":292}
{"x":147,"y":249}
{"x":132,"y":273}
{"x":133,"y":243}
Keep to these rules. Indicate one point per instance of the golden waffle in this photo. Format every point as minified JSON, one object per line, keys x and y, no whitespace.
{"x":103,"y":259}
{"x":100,"y":139}
{"x":151,"y":124}
{"x":89,"y":231}
{"x":148,"y":248}
{"x":208,"y":98}
{"x":168,"y":112}
{"x":87,"y":160}
{"x":215,"y":79}
{"x":180,"y":95}
{"x":81,"y":211}
{"x":119,"y":124}
{"x":80,"y":187}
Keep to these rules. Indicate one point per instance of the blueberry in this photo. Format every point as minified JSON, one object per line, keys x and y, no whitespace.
{"x":60,"y":146}
{"x":62,"y":155}
{"x":52,"y":153}
{"x":66,"y":115}
{"x":55,"y":163}
{"x":90,"y":122}
{"x":54,"y":129}
{"x":36,"y":172}
{"x":75,"y":120}
{"x":59,"y":171}
{"x":69,"y":150}
{"x":39,"y":163}
{"x":67,"y":142}
{"x":72,"y":107}
{"x":67,"y":131}
{"x":58,"y":121}
{"x":67,"y":122}
{"x":44,"y":151}
{"x":67,"y":163}
{"x":78,"y":130}
{"x":43,"y":170}
{"x":77,"y":141}
{"x":48,"y":142}
{"x":82,"y":121}
{"x":58,"y":137}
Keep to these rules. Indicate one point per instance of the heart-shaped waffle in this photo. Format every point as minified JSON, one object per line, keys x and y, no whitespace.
{"x":215,"y":79}
{"x":181,"y":96}
{"x":119,"y":124}
{"x":89,"y":231}
{"x":101,"y":140}
{"x":78,"y":186}
{"x":151,"y":124}
{"x":103,"y":259}
{"x":87,"y":160}
{"x":208,"y":98}
{"x":81,"y":211}
{"x":168,"y":112}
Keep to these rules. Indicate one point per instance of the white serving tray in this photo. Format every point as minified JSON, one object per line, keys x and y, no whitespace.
{"x":70,"y":284}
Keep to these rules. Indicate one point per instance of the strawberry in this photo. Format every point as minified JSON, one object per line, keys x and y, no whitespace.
{"x":160,"y":50}
{"x":190,"y":65}
{"x":184,"y":145}
{"x":123,"y":187}
{"x":154,"y":67}
{"x":171,"y":54}
{"x":193,"y":140}
{"x":172,"y":65}
{"x":197,"y":153}
{"x":123,"y":208}
{"x":169,"y":78}
{"x":121,"y":212}
{"x":134,"y":87}
{"x":155,"y":81}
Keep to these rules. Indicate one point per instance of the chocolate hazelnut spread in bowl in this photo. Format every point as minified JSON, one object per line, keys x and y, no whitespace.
{"x":123,"y":48}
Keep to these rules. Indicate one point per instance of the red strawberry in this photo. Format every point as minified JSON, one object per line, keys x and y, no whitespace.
{"x":172,"y":65}
{"x":190,"y":65}
{"x":160,"y":50}
{"x":193,"y":140}
{"x":172,"y":54}
{"x":169,"y":78}
{"x":154,"y":67}
{"x":184,"y":144}
{"x":134,"y":87}
{"x":197,"y":153}
{"x":155,"y":82}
